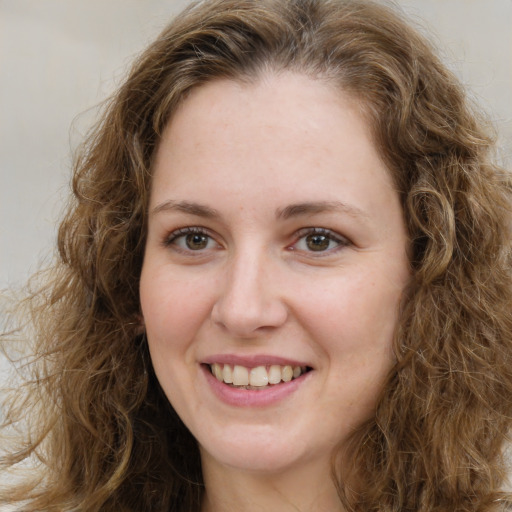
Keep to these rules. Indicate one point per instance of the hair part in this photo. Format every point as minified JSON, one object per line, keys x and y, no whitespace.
{"x":106,"y":435}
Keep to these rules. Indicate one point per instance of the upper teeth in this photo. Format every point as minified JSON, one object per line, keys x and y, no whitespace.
{"x":259,"y":376}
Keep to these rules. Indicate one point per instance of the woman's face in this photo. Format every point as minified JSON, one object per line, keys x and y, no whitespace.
{"x":276,"y":250}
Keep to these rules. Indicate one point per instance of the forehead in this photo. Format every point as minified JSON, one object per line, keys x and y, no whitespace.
{"x":285,"y":139}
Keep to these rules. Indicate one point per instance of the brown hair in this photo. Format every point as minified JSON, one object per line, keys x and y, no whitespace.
{"x":100,"y":426}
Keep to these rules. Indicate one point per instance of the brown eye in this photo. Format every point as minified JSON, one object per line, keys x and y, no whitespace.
{"x":191,"y":239}
{"x":196,"y":241}
{"x":317,"y":242}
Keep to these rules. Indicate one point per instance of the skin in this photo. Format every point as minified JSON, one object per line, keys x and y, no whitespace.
{"x":248,"y":154}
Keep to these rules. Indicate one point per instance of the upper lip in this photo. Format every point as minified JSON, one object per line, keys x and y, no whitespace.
{"x":252,"y":361}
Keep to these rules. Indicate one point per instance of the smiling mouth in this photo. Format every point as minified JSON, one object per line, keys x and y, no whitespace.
{"x":257,"y":378}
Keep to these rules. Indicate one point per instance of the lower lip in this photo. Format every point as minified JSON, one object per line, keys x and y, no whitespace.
{"x":252,"y":398}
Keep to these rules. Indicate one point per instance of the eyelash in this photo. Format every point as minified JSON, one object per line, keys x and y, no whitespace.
{"x":330,"y":235}
{"x":183,"y":232}
{"x":300,"y":235}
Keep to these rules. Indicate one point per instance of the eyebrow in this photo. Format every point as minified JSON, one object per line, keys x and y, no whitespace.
{"x":288,"y":212}
{"x":317,"y":207}
{"x":199,"y":210}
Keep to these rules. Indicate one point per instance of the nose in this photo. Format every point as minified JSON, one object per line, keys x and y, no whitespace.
{"x":250,"y":300}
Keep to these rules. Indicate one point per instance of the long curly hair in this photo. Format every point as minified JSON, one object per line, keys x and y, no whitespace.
{"x":99,"y":428}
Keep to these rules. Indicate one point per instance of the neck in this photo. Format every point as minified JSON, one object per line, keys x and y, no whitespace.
{"x":303,"y":489}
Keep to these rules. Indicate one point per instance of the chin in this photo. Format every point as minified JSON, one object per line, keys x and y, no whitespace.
{"x":258,"y":450}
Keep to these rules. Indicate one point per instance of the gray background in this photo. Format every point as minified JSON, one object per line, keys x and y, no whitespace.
{"x":60,"y":58}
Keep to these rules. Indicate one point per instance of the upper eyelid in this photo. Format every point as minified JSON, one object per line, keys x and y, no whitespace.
{"x":321,"y":231}
{"x":176,"y":233}
{"x":341,"y":241}
{"x":300,"y":233}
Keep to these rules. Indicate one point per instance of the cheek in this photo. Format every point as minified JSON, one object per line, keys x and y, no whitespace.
{"x":358,"y":309}
{"x":353,"y":322}
{"x":354,"y":327}
{"x":173,"y":308}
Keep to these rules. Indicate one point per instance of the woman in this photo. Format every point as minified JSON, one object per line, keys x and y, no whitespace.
{"x":284,"y":281}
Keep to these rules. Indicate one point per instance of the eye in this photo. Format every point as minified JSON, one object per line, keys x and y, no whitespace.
{"x":191,"y":239}
{"x":319,"y":240}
